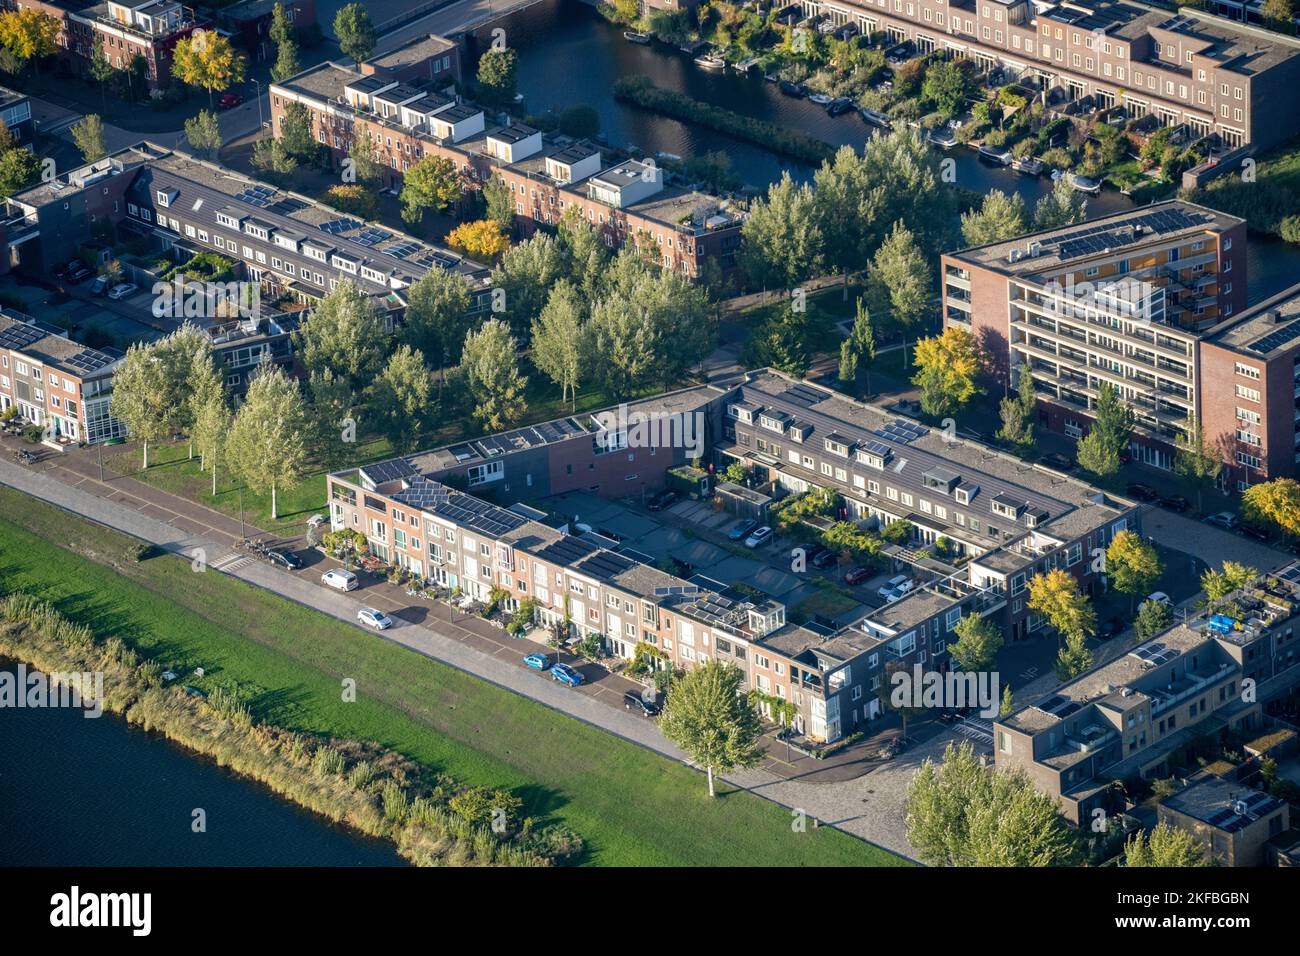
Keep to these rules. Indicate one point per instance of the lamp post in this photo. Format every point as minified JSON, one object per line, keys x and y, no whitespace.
{"x":260,"y":121}
{"x":242,"y":533}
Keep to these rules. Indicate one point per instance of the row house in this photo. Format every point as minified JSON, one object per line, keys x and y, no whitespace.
{"x":1219,"y":78}
{"x":56,"y":383}
{"x":1006,"y":521}
{"x":1125,"y":718}
{"x":408,"y":120}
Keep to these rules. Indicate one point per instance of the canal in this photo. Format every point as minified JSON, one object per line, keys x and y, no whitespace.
{"x":97,"y":792}
{"x":570,"y":55}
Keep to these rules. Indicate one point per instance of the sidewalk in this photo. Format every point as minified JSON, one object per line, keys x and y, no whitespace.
{"x":462,"y":641}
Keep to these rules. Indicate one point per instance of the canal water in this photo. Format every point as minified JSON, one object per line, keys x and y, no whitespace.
{"x":97,"y":792}
{"x":570,"y":55}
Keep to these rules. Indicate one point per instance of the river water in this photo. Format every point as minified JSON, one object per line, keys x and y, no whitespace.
{"x":97,"y":792}
{"x":570,"y":55}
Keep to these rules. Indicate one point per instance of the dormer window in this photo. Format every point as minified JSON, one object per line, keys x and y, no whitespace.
{"x":837,"y":445}
{"x":873,"y":455}
{"x":227,"y":220}
{"x":742,"y":412}
{"x":772,"y":424}
{"x":1006,"y":506}
{"x":164,"y":197}
{"x":963,"y":494}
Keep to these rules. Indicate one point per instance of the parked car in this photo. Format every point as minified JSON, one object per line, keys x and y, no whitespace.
{"x":856,"y":575}
{"x":661,"y":500}
{"x":77,"y":274}
{"x":285,"y":559}
{"x":1160,"y":597}
{"x":1224,"y":519}
{"x":1253,"y":531}
{"x":1142,"y":492}
{"x":566,"y":675}
{"x":1175,"y":503}
{"x":228,"y":101}
{"x":122,"y":290}
{"x":538,"y":662}
{"x":741,"y":529}
{"x":340,"y":579}
{"x":1058,"y":461}
{"x":895,"y":587}
{"x":759,"y":537}
{"x":371,"y":617}
{"x":99,"y":286}
{"x":826,"y":559}
{"x":634,"y":701}
{"x":1112,"y":627}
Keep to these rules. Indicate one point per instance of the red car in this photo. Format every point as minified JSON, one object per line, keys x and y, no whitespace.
{"x":229,"y":100}
{"x":856,"y":575}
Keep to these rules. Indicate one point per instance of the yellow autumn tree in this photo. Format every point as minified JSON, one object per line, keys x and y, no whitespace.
{"x":1057,"y":597}
{"x":206,"y":59}
{"x":946,"y":368}
{"x":1276,"y":502}
{"x":482,"y":239}
{"x":28,"y":34}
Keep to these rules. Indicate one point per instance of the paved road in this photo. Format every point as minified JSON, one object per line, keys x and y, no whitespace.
{"x":869,"y":807}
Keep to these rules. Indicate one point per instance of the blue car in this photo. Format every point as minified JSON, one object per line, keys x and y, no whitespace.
{"x":741,"y":530}
{"x":566,"y":675}
{"x":538,"y":662}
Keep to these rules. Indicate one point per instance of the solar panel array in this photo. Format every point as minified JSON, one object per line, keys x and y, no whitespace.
{"x":288,"y":205}
{"x":1276,"y":339}
{"x":902,"y":432}
{"x":372,"y":237}
{"x":259,"y":196}
{"x":19,"y":336}
{"x":803,"y":395}
{"x":1060,"y":706}
{"x":403,"y":249}
{"x":878,"y":448}
{"x":336,"y":226}
{"x":607,"y":564}
{"x":1085,"y":242}
{"x":1155,"y":654}
{"x":488,"y":519}
{"x":435,"y":258}
{"x":567,"y":551}
{"x":676,"y":589}
{"x":390,"y":470}
{"x":1255,"y":805}
{"x":88,"y":360}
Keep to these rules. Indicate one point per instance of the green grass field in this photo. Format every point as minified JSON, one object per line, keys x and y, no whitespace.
{"x":632,"y":807}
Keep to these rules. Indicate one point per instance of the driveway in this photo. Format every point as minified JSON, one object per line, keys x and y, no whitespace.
{"x":1212,"y":545}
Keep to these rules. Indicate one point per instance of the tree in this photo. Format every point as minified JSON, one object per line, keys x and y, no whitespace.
{"x":150,"y":389}
{"x":19,"y":169}
{"x":585,"y":251}
{"x":580,"y":122}
{"x":1057,"y":597}
{"x":498,"y":75}
{"x":525,"y":276}
{"x":400,"y":398}
{"x":482,"y":239}
{"x":1197,"y":461}
{"x":902,"y":705}
{"x":1096,"y":456}
{"x":858,"y":351}
{"x":977,"y":645}
{"x":1017,"y":413}
{"x":560,"y":342}
{"x":1276,"y":501}
{"x":1099,"y":450}
{"x":89,"y":137}
{"x":1008,"y":702}
{"x":437,"y":317}
{"x":492,"y":374}
{"x":137,"y":76}
{"x":1232,"y":576}
{"x":712,"y":721}
{"x":1000,"y":217}
{"x":500,"y":208}
{"x":286,"y":45}
{"x":783,"y":240}
{"x":100,"y":69}
{"x":1166,"y":846}
{"x":947,"y":86}
{"x":210,"y":423}
{"x":1074,"y":658}
{"x":29,"y":34}
{"x":203,"y":133}
{"x":354,"y":199}
{"x":366,"y":166}
{"x":847,"y":205}
{"x":269,"y":155}
{"x":344,"y":335}
{"x":1132,"y":564}
{"x":355,"y":32}
{"x":946,"y":367}
{"x":1153,"y":617}
{"x":206,"y":59}
{"x":1278,"y":15}
{"x":296,"y":131}
{"x":432,"y":183}
{"x":900,"y":277}
{"x":267,"y":440}
{"x":959,"y":813}
{"x":1063,"y":206}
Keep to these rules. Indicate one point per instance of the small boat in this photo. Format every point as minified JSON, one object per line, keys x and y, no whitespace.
{"x":710,"y":62}
{"x":1029,"y":166}
{"x":791,"y":89}
{"x":821,"y":99}
{"x":836,"y":107}
{"x":875,"y":118}
{"x":632,"y":36}
{"x":1084,"y":184}
{"x":996,"y":154}
{"x":672,"y":157}
{"x":943,"y":137}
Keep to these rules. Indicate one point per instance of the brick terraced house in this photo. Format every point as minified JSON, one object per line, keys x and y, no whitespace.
{"x":429,"y":512}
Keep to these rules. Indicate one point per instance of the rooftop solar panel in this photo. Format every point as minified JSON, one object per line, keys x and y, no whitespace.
{"x":19,"y":336}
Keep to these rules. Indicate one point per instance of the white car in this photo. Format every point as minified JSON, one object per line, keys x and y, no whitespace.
{"x":759,"y":536}
{"x":376,"y":619}
{"x":895,"y":587}
{"x":340,"y":579}
{"x":121,"y":291}
{"x":1160,"y":597}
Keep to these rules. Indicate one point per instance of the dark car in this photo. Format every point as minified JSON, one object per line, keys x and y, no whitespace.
{"x":856,"y":575}
{"x":229,"y":101}
{"x":634,"y":701}
{"x":663,"y":499}
{"x":1250,"y":531}
{"x":741,"y":529}
{"x":1142,"y":492}
{"x":827,"y":559}
{"x":1175,"y":503}
{"x":1058,"y":461}
{"x":1112,"y":627}
{"x":285,"y":559}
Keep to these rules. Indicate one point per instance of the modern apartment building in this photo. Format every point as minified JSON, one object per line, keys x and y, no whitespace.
{"x":124,"y":28}
{"x":1126,"y":299}
{"x":1218,"y":77}
{"x":56,"y":383}
{"x":1126,"y":717}
{"x":409,"y":117}
{"x":249,"y":24}
{"x":290,"y":244}
{"x":16,"y":115}
{"x":1233,"y":821}
{"x":428,"y":512}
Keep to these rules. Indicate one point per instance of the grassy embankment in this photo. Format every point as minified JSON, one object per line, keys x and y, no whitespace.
{"x":286,"y":662}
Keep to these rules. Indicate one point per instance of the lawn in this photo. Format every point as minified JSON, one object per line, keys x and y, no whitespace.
{"x":632,"y":807}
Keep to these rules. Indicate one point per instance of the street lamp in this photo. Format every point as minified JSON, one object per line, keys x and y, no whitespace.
{"x":242,"y":533}
{"x":260,"y":121}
